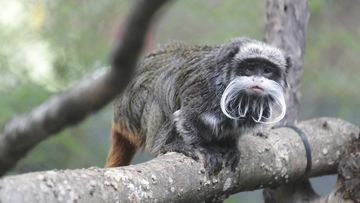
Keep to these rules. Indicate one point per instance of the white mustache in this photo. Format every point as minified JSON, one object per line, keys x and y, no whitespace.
{"x":271,"y":88}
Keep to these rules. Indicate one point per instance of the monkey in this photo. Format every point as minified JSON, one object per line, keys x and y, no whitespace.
{"x":198,"y":100}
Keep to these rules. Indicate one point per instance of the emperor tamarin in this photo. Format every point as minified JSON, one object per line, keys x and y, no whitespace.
{"x":192,"y":99}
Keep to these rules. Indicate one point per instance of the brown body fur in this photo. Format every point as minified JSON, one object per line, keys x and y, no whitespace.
{"x":124,"y":145}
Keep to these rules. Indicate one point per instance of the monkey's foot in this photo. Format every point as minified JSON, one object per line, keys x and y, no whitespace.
{"x":213,"y":158}
{"x":187,"y":150}
{"x":232,"y":157}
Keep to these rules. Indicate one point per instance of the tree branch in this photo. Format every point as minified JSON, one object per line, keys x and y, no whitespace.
{"x":265,"y":161}
{"x":23,"y":133}
{"x":347,"y":186}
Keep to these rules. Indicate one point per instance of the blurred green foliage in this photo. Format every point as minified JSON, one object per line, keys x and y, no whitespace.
{"x":46,"y":46}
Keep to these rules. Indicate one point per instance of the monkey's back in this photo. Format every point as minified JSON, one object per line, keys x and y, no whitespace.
{"x":152,"y":96}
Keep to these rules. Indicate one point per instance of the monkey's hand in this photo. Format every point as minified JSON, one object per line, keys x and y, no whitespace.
{"x":213,"y":154}
{"x":216,"y":155}
{"x":213,"y":157}
{"x":232,"y":157}
{"x":180,"y":147}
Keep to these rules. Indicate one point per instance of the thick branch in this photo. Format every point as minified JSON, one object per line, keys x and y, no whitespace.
{"x":24,"y":132}
{"x":265,"y":162}
{"x":347,"y":187}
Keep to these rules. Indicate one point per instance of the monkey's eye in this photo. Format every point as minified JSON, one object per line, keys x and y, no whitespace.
{"x":268,"y":70}
{"x":248,"y":70}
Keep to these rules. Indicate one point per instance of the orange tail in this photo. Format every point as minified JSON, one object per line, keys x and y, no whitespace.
{"x":124,"y":145}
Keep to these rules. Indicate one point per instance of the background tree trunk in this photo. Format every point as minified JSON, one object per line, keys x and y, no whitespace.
{"x":286,"y":28}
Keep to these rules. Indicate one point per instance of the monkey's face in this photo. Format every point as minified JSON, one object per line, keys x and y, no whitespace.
{"x":256,"y":91}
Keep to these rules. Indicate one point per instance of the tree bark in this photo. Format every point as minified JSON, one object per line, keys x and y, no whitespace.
{"x":275,"y":158}
{"x":23,"y":133}
{"x":347,"y":187}
{"x":286,"y":28}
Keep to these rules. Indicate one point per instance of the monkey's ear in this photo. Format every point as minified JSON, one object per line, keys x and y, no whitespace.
{"x":232,"y":52}
{"x":287,"y":69}
{"x":229,"y":49}
{"x":227,"y":52}
{"x":288,"y":64}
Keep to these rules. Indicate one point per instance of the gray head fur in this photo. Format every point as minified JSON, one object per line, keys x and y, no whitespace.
{"x":257,"y":49}
{"x":269,"y":107}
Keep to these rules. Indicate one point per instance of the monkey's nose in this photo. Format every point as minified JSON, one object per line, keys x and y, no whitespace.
{"x":258,"y":79}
